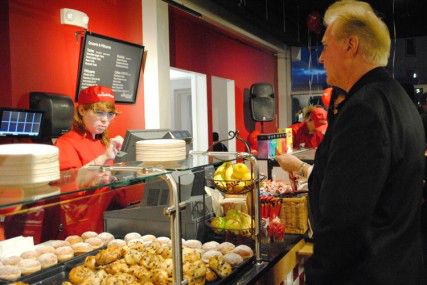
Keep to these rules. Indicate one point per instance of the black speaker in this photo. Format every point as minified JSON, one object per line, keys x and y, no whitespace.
{"x":58,"y":112}
{"x":262,"y":102}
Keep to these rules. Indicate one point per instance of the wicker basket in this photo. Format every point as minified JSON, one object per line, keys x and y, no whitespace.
{"x":294,"y":214}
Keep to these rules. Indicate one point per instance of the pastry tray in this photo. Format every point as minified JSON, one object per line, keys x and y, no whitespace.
{"x":57,"y":274}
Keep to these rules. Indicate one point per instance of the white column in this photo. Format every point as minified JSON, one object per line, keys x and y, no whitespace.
{"x":284,"y":88}
{"x":157,"y":105}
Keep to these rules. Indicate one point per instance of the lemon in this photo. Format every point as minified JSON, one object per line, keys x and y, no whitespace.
{"x":239,"y":170}
{"x":247,"y":176}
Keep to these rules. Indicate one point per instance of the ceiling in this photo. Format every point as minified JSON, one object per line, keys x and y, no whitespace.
{"x":285,"y":21}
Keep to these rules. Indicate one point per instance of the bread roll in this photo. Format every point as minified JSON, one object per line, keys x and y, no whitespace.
{"x":30,"y":254}
{"x":64,"y":253}
{"x":210,"y":274}
{"x":47,"y":260}
{"x":9,"y":272}
{"x":89,"y":234}
{"x":81,"y":248}
{"x":29,"y":266}
{"x":95,"y":242}
{"x":164,"y":240}
{"x":233,"y":258}
{"x":210,"y":253}
{"x":41,"y":248}
{"x":106,"y":237}
{"x":225,"y":247}
{"x":80,"y":274}
{"x":57,"y":243}
{"x":193,"y":243}
{"x":131,"y":236}
{"x":244,"y":251}
{"x":210,"y":245}
{"x":148,"y":237}
{"x":74,"y":239}
{"x":11,"y":260}
{"x":118,"y":242}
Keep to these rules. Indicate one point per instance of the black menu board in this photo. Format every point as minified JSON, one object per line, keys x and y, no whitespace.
{"x":112,"y":63}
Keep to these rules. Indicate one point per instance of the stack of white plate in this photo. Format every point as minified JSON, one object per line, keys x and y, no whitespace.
{"x":22,"y":164}
{"x":160,"y":150}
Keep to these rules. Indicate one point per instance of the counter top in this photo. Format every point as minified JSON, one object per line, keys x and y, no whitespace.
{"x":271,"y":254}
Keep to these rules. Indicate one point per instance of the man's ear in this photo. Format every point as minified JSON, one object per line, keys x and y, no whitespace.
{"x":352,"y":45}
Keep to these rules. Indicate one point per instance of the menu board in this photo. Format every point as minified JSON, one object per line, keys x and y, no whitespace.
{"x":112,"y":63}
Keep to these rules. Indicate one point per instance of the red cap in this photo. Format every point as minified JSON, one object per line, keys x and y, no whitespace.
{"x":95,"y":94}
{"x":319,"y":117}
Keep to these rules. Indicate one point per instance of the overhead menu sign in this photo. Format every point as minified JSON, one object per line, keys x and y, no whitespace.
{"x":110,"y":62}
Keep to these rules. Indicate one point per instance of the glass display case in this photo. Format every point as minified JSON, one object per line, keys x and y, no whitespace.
{"x":186,"y":208}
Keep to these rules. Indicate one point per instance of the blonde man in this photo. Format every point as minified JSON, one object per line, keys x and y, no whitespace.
{"x":366,"y":184}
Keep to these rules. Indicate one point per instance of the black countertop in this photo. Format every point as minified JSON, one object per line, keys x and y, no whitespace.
{"x":271,"y":253}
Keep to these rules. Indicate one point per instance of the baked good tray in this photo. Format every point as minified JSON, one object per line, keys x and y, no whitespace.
{"x":57,"y":274}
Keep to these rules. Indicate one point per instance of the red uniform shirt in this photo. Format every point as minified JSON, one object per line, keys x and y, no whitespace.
{"x":76,"y":150}
{"x":300,"y":136}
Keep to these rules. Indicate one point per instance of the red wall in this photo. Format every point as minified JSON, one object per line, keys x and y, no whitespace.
{"x":43,"y":55}
{"x":198,"y":46}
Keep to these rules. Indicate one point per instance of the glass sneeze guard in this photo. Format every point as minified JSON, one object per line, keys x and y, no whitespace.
{"x":74,"y":181}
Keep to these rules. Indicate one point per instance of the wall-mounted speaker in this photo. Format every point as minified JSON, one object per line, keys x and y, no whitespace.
{"x":262,"y":102}
{"x":58,"y":112}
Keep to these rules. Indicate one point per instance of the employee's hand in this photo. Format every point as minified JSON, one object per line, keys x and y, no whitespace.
{"x":288,"y":162}
{"x":114,"y":147}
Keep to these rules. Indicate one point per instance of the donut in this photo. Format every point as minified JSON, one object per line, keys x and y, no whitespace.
{"x":118,"y":242}
{"x":64,"y":253}
{"x":81,"y":248}
{"x":9,"y":272}
{"x":11,"y":260}
{"x":210,"y":253}
{"x":225,"y":247}
{"x":89,"y":234}
{"x":244,"y":251}
{"x":29,"y":266}
{"x":47,"y":260}
{"x":193,"y":243}
{"x":74,"y":239}
{"x":131,"y":236}
{"x":210,"y":245}
{"x":41,"y":248}
{"x":95,"y":242}
{"x":57,"y":243}
{"x":30,"y":254}
{"x":106,"y":237}
{"x":233,"y":258}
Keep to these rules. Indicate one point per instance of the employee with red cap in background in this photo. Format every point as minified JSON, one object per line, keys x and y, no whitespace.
{"x":310,"y":132}
{"x":88,"y":142}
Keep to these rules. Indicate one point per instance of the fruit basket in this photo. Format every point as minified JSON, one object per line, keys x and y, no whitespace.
{"x":235,"y":222}
{"x":233,"y":178}
{"x":233,"y":186}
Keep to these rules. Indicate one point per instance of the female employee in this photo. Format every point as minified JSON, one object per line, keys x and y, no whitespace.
{"x":87,"y":142}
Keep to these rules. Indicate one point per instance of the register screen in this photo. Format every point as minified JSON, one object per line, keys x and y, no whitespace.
{"x":20,"y":123}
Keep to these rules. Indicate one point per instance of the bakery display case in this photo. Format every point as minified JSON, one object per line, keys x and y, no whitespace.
{"x":174,"y":204}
